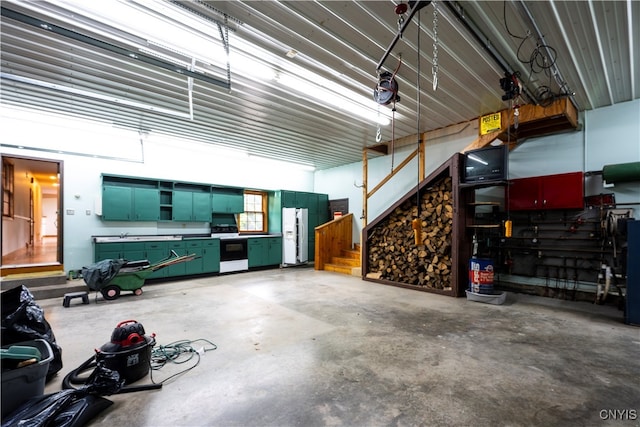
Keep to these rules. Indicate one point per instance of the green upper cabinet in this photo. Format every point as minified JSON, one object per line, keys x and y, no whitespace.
{"x":120,"y":203}
{"x":295,"y":199}
{"x":323,"y":208}
{"x":191,"y":205}
{"x":116,"y":203}
{"x":316,"y":203}
{"x":146,"y":204}
{"x":227,"y":200}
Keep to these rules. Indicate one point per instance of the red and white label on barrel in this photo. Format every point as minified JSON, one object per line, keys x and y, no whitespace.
{"x":480,"y":276}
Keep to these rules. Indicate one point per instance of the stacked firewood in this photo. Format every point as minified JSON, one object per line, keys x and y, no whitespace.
{"x":392,"y":249}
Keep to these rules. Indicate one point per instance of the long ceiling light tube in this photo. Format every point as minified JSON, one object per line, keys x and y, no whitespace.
{"x":632,"y":51}
{"x":94,"y":95}
{"x":47,"y":26}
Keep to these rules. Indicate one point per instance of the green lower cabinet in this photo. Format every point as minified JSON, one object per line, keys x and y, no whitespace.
{"x":256,"y":249}
{"x":311,"y":249}
{"x":154,"y":253}
{"x":130,"y":251}
{"x":207,"y":253}
{"x":195,"y":265}
{"x":211,"y":256}
{"x":133,"y":251}
{"x":275,"y":251}
{"x":107,"y":251}
{"x":264,"y":251}
{"x":180,"y":249}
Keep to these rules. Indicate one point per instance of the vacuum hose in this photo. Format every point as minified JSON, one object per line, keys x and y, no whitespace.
{"x":104,"y":380}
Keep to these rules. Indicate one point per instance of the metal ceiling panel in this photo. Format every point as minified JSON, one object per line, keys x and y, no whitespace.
{"x":584,"y":50}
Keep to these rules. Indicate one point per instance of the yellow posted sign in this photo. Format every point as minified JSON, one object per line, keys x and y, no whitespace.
{"x":490,"y":123}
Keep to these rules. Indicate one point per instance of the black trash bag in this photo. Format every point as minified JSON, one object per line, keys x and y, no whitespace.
{"x":98,"y":275}
{"x":70,"y":407}
{"x":23,"y":320}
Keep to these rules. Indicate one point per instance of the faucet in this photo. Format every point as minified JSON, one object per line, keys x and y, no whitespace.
{"x":123,"y":235}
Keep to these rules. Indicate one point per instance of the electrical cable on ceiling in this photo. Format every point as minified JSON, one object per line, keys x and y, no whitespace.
{"x":541,"y":60}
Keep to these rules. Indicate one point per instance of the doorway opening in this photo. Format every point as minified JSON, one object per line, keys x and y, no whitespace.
{"x":31,"y":219}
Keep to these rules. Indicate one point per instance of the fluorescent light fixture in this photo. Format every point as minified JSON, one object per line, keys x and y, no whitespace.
{"x":329,"y":95}
{"x":175,"y":30}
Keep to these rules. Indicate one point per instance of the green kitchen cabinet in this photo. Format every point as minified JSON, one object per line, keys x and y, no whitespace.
{"x":179,"y":248}
{"x":120,"y":203}
{"x":211,"y":256}
{"x":155,"y":252}
{"x":323,"y":208}
{"x":190,"y":206}
{"x":311,"y":248}
{"x":274,"y":251}
{"x":294,"y":199}
{"x":107,"y":251}
{"x":194,"y":246}
{"x":146,"y":204}
{"x":116,"y":203}
{"x":131,"y":251}
{"x":227,"y":200}
{"x":264,"y":251}
{"x":256,"y":250}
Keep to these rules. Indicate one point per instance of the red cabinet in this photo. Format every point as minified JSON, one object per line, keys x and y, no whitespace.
{"x":562,"y":191}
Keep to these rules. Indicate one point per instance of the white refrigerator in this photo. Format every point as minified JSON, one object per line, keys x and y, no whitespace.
{"x":294,"y":236}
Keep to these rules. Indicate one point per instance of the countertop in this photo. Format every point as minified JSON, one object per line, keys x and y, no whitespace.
{"x":127,"y":239}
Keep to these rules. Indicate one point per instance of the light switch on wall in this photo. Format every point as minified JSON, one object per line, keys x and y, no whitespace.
{"x":70,"y":212}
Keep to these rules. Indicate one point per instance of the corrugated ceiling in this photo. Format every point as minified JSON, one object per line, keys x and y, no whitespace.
{"x":583,"y":50}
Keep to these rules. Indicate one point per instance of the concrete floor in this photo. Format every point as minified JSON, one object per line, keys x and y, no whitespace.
{"x":298,"y":347}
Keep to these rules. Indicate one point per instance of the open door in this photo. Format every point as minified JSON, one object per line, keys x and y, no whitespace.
{"x":31,"y":220}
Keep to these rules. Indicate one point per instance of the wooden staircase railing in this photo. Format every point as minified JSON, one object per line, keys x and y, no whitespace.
{"x":332,"y":238}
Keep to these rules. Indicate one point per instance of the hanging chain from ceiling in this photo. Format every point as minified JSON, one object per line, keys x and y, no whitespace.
{"x":434,"y":67}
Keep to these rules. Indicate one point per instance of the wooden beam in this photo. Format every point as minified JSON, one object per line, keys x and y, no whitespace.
{"x":483,"y":140}
{"x":365,"y":174}
{"x":393,"y":172}
{"x":533,"y":120}
{"x":382,"y":148}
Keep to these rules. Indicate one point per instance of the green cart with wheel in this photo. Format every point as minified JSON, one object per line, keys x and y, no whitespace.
{"x":110,"y":277}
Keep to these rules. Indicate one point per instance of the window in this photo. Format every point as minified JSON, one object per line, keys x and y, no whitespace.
{"x":254,"y":217}
{"x":7,"y":188}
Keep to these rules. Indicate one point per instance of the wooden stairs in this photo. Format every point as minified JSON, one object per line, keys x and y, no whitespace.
{"x":347,"y":263}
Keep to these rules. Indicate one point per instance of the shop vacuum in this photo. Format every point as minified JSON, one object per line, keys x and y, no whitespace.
{"x":128,"y":353}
